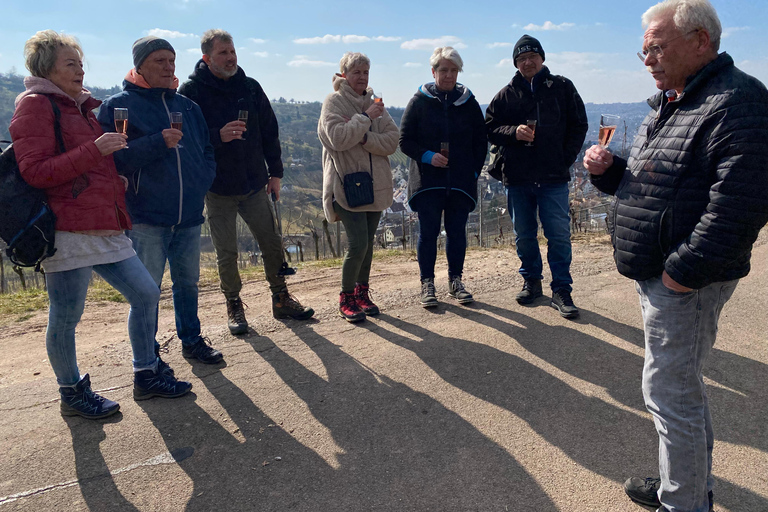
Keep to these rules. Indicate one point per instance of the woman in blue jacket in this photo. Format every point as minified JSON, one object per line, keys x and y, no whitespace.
{"x":443,"y":113}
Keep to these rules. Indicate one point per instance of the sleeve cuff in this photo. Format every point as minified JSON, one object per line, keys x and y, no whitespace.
{"x":426,"y":158}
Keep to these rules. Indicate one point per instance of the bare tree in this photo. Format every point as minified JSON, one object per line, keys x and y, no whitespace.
{"x":328,"y":237}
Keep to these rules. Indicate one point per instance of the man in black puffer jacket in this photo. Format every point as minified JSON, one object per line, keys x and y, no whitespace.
{"x":248,"y":169}
{"x":536,"y":167}
{"x":690,"y":202}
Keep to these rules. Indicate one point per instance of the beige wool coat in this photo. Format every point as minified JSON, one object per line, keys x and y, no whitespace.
{"x":341,"y":129}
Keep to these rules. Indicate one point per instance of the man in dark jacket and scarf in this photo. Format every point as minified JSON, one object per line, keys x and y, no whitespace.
{"x":169,"y":170}
{"x":248,"y":169}
{"x":536,"y":167}
{"x":690,"y":202}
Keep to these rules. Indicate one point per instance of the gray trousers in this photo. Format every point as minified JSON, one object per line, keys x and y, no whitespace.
{"x":256,"y":210}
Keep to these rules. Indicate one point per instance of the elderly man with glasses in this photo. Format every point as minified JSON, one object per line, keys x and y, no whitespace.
{"x":690,"y":202}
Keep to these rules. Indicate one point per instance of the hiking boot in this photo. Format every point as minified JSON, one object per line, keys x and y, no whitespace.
{"x":645,"y":492}
{"x":457,"y":290}
{"x":428,"y":298}
{"x":530,"y":292}
{"x":202,"y":351}
{"x":151,"y":383}
{"x":162,"y":366}
{"x":236,"y":316}
{"x":349,"y":309}
{"x":285,"y":305}
{"x":80,"y":400}
{"x":562,"y":301}
{"x":364,"y":300}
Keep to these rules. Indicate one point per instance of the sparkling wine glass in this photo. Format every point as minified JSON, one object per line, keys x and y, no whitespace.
{"x":176,"y":123}
{"x":121,"y":120}
{"x":377,"y":98}
{"x":608,"y":124}
{"x":444,"y":150}
{"x":242,"y":115}
{"x":531,"y":123}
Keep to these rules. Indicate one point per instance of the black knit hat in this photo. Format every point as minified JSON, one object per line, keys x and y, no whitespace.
{"x":146,"y":45}
{"x":527,"y":44}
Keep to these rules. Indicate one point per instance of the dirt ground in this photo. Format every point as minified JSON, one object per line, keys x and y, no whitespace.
{"x":491,"y":407}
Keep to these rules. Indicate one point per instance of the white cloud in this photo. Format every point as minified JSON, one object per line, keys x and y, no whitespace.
{"x":355,"y":39}
{"x":301,"y":61}
{"x":167,"y":34}
{"x":431,"y":44}
{"x":194,"y":50}
{"x":506,"y":63}
{"x":729,"y":31}
{"x":412,"y":65}
{"x":257,"y":41}
{"x":548,"y":25}
{"x":499,"y":45}
{"x":386,"y":39}
{"x":261,"y":54}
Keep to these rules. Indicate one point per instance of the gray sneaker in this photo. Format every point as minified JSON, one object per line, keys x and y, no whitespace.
{"x":428,"y":299}
{"x":457,"y":290}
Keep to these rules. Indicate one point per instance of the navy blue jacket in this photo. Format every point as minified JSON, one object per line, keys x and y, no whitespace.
{"x":429,"y":120}
{"x":167,"y":186}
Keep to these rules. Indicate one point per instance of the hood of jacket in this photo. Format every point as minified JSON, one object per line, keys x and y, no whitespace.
{"x":37,"y":85}
{"x":341,"y":85}
{"x":428,"y":88}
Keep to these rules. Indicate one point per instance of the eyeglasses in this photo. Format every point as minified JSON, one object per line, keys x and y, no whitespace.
{"x":657,"y":50}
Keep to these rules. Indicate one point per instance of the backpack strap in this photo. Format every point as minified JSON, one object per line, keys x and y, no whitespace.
{"x":57,"y":124}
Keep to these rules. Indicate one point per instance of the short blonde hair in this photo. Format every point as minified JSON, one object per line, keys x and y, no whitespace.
{"x":42,"y":49}
{"x":448,"y":53}
{"x":352,"y":60}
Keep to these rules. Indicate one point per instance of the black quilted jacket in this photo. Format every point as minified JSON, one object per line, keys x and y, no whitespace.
{"x":693,"y":195}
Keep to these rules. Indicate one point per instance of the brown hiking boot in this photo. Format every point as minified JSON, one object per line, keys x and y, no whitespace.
{"x":364,"y":300}
{"x":236,"y":316}
{"x":285,"y":305}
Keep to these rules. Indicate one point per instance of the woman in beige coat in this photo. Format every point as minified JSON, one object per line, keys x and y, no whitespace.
{"x":357,"y":135}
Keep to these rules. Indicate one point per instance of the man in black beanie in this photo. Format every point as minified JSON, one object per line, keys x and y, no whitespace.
{"x":539,"y":121}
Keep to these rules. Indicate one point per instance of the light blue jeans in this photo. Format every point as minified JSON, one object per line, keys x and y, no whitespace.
{"x":680,"y":330}
{"x":549,"y":203}
{"x":66,"y":292}
{"x":181,"y":249}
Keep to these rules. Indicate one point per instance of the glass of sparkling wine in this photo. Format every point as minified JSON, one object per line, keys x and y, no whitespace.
{"x":444,"y":150}
{"x":121,"y":120}
{"x":176,"y":123}
{"x":608,"y":124}
{"x":531,"y":123}
{"x":377,"y":98}
{"x":242,"y":115}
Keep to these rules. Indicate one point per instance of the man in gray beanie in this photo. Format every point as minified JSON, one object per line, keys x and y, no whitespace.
{"x":169,"y":168}
{"x":536,"y":169}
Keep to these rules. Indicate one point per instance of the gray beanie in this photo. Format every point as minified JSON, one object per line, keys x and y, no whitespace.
{"x":146,"y":45}
{"x":527,"y":44}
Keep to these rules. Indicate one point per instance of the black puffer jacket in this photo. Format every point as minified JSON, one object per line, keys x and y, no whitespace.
{"x":693,"y":195}
{"x":561,"y":125}
{"x":245,"y":165}
{"x":431,"y":118}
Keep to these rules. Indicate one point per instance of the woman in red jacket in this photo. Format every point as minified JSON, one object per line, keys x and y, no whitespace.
{"x":88,"y":198}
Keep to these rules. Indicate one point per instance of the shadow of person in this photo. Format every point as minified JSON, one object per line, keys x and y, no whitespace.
{"x":402,"y":449}
{"x":93,"y":475}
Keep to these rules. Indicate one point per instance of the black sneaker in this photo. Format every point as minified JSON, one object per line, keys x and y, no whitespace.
{"x":457,"y":290}
{"x":285,"y":305}
{"x":151,"y":383}
{"x":202,"y":351}
{"x":80,"y":400}
{"x":236,"y":316}
{"x":562,"y":301}
{"x":530,"y":292}
{"x":428,"y":298}
{"x":645,"y":492}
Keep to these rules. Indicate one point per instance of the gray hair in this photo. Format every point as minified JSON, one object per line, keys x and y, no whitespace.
{"x":448,"y":53}
{"x":352,"y":60}
{"x":211,"y":36}
{"x":689,"y":15}
{"x":42,"y":49}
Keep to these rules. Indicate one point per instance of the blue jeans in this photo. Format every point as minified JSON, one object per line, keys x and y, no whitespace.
{"x":549,"y":203}
{"x":454,"y":212}
{"x":181,"y":249}
{"x":680,"y":330}
{"x":66,"y":292}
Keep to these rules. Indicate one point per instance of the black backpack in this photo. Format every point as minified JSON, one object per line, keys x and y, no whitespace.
{"x":27,"y":224}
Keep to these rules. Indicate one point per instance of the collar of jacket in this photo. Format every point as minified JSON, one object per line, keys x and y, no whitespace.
{"x":155,"y":91}
{"x":466,"y":94}
{"x":541,"y":77}
{"x":203,"y":74}
{"x":359,"y":102}
{"x":695,"y":81}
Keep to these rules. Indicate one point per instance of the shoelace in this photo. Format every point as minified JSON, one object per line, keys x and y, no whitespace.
{"x":565,"y":298}
{"x":428,"y":287}
{"x":239,"y":312}
{"x":458,"y":286}
{"x":364,"y":294}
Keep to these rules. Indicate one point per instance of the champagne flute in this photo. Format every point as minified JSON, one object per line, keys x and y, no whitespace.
{"x":608,"y":124}
{"x":242,"y":115}
{"x":176,"y":123}
{"x":531,"y":123}
{"x":444,"y":150}
{"x":121,"y":120}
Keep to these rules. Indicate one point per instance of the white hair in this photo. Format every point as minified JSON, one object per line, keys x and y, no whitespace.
{"x":688,"y":15}
{"x":448,"y":53}
{"x":352,"y":60}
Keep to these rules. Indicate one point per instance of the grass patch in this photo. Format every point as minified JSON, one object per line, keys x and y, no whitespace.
{"x":100,"y":290}
{"x":22,"y":302}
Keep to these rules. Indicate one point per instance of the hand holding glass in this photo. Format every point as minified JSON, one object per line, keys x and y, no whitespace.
{"x":531,"y":123}
{"x":608,"y":124}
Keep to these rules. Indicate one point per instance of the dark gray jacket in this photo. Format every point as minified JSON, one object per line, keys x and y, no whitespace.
{"x":693,"y":195}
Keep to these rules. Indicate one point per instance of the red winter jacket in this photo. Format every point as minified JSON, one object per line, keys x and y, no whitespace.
{"x":83,"y":187}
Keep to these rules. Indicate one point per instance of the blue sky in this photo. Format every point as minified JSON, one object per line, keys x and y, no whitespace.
{"x":293,"y":47}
